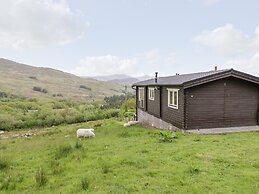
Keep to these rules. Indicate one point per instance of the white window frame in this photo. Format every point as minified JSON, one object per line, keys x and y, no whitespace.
{"x":151,"y":93}
{"x":141,"y":97}
{"x":173,"y":105}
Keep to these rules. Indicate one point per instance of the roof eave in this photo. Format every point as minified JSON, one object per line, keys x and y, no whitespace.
{"x":221,"y":75}
{"x":144,"y":85}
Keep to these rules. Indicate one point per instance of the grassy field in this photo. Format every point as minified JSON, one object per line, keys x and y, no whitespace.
{"x":128,"y":160}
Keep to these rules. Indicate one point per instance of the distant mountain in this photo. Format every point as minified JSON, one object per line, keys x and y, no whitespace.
{"x":125,"y":81}
{"x":111,"y":77}
{"x":30,"y":81}
{"x":121,"y":79}
{"x":144,"y":77}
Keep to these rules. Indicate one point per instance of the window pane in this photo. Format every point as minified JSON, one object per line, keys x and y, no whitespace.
{"x":171,"y":98}
{"x":175,"y":98}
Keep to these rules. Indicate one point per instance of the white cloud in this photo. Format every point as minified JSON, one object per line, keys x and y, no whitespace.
{"x":226,"y":40}
{"x":151,"y":57}
{"x":249,"y":65}
{"x":34,"y":23}
{"x":105,"y":65}
{"x":149,"y":61}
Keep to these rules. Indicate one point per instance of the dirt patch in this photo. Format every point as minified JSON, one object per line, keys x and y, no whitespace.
{"x":27,"y":134}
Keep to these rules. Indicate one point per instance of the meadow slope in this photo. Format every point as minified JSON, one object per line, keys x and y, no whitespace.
{"x":128,"y":160}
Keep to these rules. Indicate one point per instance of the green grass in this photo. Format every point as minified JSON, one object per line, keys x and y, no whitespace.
{"x":129,"y":160}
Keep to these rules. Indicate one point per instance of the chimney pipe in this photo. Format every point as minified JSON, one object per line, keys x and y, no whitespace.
{"x":216,"y":68}
{"x":156,"y":77}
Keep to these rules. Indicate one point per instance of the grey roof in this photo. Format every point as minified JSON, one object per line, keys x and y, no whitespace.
{"x":180,"y":79}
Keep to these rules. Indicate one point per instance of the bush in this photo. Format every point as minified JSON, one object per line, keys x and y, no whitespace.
{"x":40,"y":177}
{"x":33,"y":77}
{"x":85,"y":87}
{"x":39,"y":89}
{"x":116,"y":101}
{"x":47,"y":113}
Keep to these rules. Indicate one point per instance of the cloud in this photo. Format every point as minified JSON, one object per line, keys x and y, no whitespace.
{"x":29,"y":23}
{"x":226,"y":40}
{"x":149,"y":62}
{"x":105,"y":65}
{"x":249,"y":65}
{"x":151,"y":57}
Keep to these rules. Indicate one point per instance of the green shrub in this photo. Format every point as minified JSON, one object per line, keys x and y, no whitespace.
{"x":40,"y":177}
{"x":85,"y":87}
{"x":47,"y":113}
{"x":39,"y":89}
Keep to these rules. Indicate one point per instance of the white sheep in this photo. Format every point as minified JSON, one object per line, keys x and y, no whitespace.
{"x":85,"y":133}
{"x":130,"y":123}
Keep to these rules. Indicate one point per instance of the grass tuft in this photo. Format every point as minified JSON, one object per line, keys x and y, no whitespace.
{"x":84,"y":183}
{"x":167,"y":137}
{"x":63,"y":151}
{"x":40,"y":177}
{"x":4,"y":164}
{"x":78,"y":145}
{"x":56,"y":167}
{"x":125,"y":134}
{"x":8,"y":183}
{"x":106,"y":169}
{"x":194,"y":170}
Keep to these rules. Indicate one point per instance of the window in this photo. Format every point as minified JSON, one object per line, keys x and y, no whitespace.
{"x":141,"y":97}
{"x":151,"y":93}
{"x":173,"y":98}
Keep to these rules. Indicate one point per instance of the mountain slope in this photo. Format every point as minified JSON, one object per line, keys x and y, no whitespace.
{"x":111,"y":77}
{"x":20,"y":79}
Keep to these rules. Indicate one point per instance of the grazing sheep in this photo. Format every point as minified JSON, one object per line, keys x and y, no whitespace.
{"x":130,"y":123}
{"x":85,"y":133}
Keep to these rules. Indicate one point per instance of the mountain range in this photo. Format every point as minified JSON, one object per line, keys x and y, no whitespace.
{"x":122,"y":79}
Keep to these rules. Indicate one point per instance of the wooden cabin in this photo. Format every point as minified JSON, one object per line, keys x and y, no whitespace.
{"x":213,"y":99}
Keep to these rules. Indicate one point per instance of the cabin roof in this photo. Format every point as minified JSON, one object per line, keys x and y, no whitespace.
{"x":192,"y":79}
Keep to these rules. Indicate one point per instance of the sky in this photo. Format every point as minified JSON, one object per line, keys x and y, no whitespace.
{"x":134,"y":37}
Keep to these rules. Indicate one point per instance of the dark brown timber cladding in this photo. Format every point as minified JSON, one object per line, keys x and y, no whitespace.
{"x":153,"y":106}
{"x":171,"y":115}
{"x":224,"y":103}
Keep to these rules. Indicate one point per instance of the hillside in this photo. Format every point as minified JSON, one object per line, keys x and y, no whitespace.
{"x":20,"y":79}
